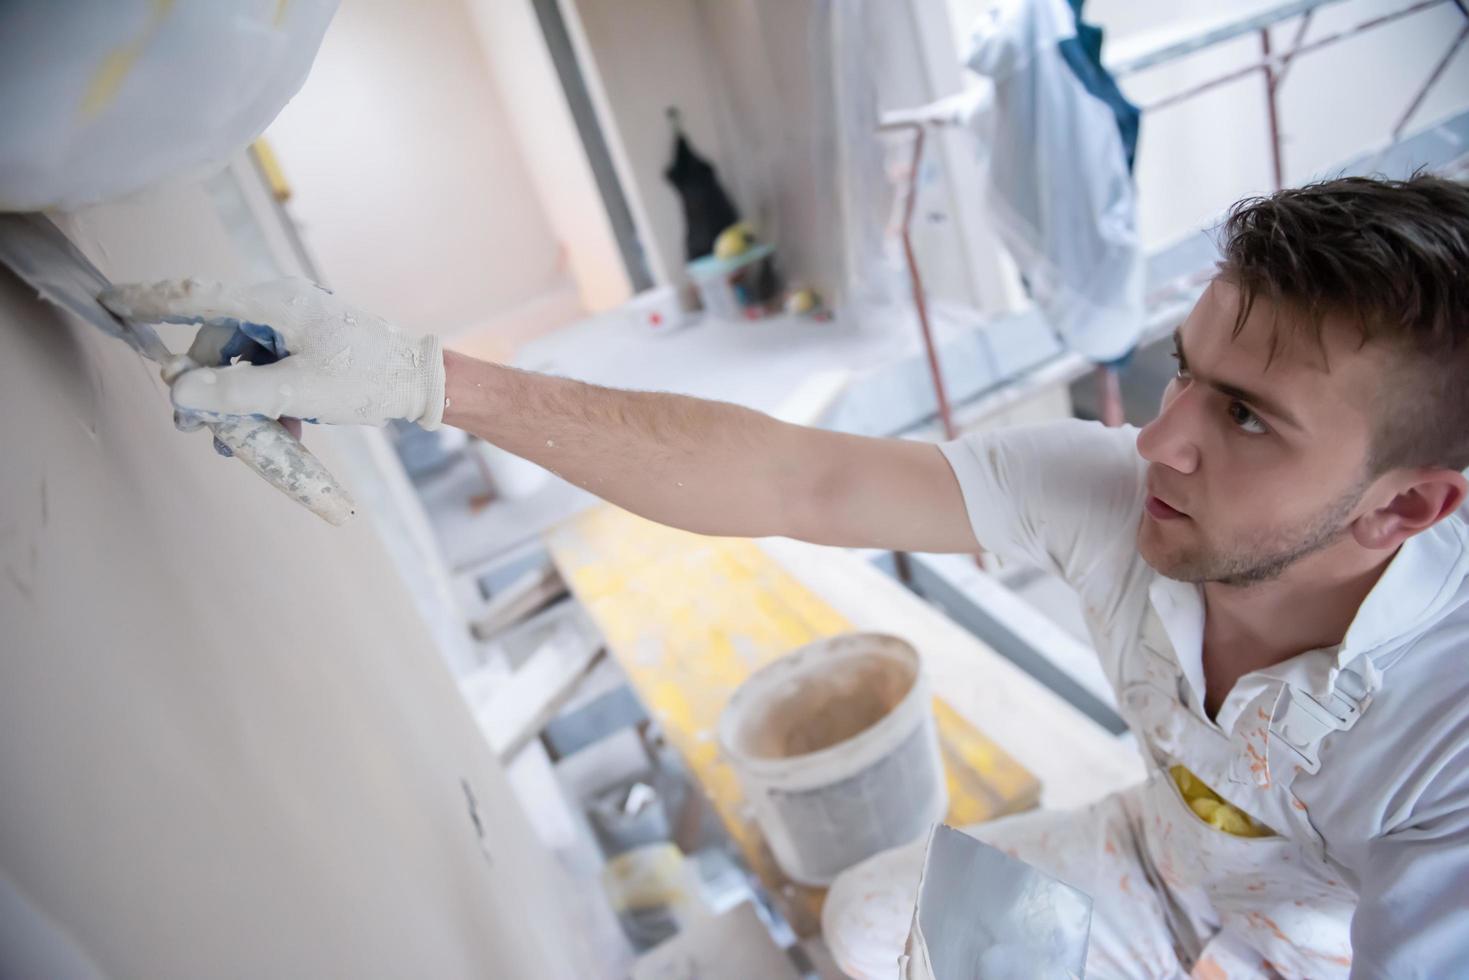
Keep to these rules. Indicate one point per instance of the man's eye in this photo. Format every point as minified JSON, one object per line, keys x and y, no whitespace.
{"x":1181,"y":370}
{"x":1240,"y":414}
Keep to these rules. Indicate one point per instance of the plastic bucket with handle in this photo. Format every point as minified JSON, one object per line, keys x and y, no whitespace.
{"x":836,"y":750}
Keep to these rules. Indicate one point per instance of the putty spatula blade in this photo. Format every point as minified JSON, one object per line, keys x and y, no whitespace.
{"x":983,"y":915}
{"x":46,"y":259}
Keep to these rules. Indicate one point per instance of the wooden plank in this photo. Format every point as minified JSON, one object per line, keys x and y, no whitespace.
{"x":984,"y":782}
{"x":532,"y":591}
{"x":690,"y":617}
{"x":532,"y":696}
{"x":1076,"y":760}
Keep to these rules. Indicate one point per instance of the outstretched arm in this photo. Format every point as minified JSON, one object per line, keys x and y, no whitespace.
{"x":704,"y":466}
{"x":713,"y":467}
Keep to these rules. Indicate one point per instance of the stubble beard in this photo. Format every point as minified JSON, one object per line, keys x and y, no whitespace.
{"x":1258,"y":556}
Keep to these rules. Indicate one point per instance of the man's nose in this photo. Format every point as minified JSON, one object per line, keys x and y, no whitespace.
{"x":1170,"y":439}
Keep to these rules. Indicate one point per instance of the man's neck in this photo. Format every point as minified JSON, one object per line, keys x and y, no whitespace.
{"x":1308,"y":606}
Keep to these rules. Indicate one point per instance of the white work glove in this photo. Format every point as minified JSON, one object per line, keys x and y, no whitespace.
{"x":336,"y":363}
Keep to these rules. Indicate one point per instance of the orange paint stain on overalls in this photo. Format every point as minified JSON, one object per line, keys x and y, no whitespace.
{"x":1262,"y":921}
{"x":1258,"y":765}
{"x":1208,"y":969}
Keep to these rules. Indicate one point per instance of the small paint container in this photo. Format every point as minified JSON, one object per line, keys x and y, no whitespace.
{"x":836,"y":750}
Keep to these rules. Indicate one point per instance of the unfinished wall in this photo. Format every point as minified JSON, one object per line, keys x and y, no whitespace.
{"x":546,"y":137}
{"x":227,"y":744}
{"x":408,"y":184}
{"x":641,"y":56}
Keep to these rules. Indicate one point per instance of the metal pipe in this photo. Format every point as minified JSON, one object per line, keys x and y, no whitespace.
{"x":946,"y":415}
{"x":1217,"y":35}
{"x":1109,"y":395}
{"x":1272,"y":112}
{"x":1295,"y":48}
{"x":1433,"y":77}
{"x":1280,"y":61}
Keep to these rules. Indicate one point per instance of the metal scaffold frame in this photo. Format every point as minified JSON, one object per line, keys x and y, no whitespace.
{"x":1273,"y":66}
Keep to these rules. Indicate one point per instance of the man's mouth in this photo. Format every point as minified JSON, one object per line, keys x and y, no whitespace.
{"x":1161,"y":511}
{"x":1159,"y":508}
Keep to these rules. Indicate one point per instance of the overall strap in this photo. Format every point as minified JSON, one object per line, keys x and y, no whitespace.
{"x":1303,"y":720}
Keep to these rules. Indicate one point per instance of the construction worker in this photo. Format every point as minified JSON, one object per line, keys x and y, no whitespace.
{"x":1273,"y":570}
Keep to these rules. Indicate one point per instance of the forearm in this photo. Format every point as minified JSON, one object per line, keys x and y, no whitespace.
{"x":699,"y":465}
{"x":704,"y":466}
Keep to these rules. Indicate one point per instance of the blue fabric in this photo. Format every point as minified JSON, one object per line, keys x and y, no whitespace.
{"x":251,"y":343}
{"x":1083,"y":53}
{"x":254,"y":343}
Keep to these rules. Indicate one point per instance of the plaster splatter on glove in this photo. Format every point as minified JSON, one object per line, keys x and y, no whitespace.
{"x":336,"y":363}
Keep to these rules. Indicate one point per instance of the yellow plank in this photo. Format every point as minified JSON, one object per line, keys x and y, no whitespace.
{"x":984,"y":782}
{"x":690,"y":617}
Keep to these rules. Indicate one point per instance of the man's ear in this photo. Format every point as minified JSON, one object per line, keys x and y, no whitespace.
{"x":1424,"y":497}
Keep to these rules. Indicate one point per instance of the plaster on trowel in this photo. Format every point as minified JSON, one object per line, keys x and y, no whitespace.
{"x":37,"y":251}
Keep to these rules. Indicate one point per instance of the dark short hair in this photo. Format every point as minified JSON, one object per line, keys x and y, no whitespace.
{"x":1392,"y":257}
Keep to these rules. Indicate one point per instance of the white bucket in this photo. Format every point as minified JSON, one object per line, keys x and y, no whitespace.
{"x":836,"y":750}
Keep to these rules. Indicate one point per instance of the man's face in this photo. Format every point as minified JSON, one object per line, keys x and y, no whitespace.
{"x":1252,"y":468}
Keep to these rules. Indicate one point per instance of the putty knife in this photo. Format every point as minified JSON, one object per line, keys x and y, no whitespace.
{"x":46,"y":259}
{"x":984,"y":915}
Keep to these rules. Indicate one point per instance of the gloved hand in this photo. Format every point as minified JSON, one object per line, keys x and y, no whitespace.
{"x":332,"y":362}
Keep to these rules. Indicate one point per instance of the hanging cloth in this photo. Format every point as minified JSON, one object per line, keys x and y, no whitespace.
{"x":1083,"y":52}
{"x":1060,"y":184}
{"x":707,"y":209}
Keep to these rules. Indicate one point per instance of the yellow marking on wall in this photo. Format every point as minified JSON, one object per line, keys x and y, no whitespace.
{"x":107,"y":80}
{"x":270,"y":167}
{"x":690,"y":617}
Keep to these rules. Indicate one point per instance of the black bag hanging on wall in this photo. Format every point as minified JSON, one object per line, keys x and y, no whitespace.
{"x":707,"y":209}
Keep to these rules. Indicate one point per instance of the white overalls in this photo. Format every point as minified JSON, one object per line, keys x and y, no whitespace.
{"x":1373,"y":812}
{"x":1251,"y":905}
{"x":1171,"y":892}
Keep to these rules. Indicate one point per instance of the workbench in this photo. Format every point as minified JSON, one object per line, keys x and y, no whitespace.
{"x":690,"y":617}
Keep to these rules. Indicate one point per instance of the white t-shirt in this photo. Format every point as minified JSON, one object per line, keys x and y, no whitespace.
{"x":1391,"y":800}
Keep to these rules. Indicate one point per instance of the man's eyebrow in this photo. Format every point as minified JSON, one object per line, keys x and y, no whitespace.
{"x":1263,"y":402}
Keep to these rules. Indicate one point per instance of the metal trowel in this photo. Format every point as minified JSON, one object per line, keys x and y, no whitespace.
{"x":984,"y":915}
{"x":38,"y":252}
